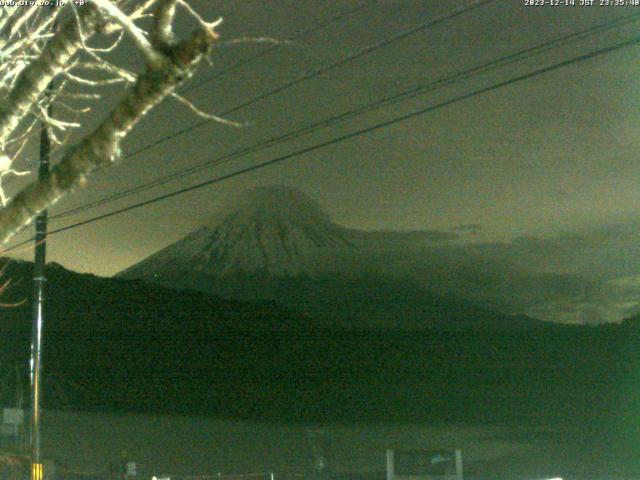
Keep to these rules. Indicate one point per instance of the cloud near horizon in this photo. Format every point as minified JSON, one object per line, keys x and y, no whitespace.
{"x":588,"y":277}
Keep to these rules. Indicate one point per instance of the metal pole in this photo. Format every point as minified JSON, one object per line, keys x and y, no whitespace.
{"x":459,"y":474}
{"x":39,"y":281}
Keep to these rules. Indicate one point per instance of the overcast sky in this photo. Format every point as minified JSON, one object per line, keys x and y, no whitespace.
{"x":546,"y":168}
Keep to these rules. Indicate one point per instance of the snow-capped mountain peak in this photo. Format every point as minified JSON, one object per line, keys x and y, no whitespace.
{"x":267,"y":230}
{"x":282,"y":204}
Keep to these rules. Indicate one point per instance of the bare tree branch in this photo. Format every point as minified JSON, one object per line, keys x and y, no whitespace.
{"x":33,"y":80}
{"x":205,"y":115}
{"x":163,"y":32}
{"x":101,"y":147}
{"x":137,"y":34}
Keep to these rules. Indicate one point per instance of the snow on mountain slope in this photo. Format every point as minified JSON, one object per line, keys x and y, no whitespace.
{"x":276,"y":244}
{"x":268,"y":230}
{"x":279,"y":232}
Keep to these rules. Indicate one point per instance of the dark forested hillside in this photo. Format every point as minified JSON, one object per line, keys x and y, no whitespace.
{"x":113,"y":344}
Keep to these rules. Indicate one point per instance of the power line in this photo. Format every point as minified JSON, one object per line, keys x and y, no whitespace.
{"x":356,"y":133}
{"x":301,"y":34}
{"x":322,"y":70}
{"x":349,"y":58}
{"x":500,"y":62}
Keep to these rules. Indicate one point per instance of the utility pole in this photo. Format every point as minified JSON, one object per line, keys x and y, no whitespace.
{"x":39,"y":281}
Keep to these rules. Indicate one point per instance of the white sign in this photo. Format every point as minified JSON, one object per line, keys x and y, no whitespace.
{"x":131,"y":469}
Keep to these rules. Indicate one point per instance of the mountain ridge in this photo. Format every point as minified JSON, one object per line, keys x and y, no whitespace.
{"x":127,"y":345}
{"x":276,"y":244}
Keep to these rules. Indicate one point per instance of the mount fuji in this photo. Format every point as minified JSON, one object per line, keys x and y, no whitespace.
{"x":268,"y":231}
{"x":277,"y":244}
